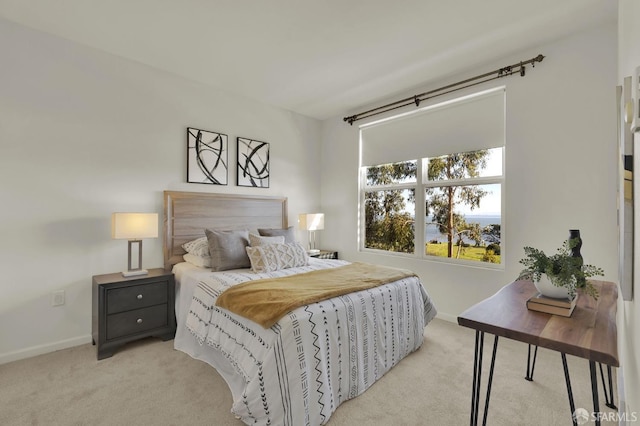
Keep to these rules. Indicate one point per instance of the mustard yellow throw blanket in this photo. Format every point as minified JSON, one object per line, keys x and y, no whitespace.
{"x":267,"y":300}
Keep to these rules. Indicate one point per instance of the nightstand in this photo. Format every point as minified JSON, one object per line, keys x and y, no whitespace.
{"x":325,"y":254}
{"x":128,"y":309}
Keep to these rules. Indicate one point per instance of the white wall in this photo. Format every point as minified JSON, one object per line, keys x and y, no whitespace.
{"x":629,"y":312}
{"x":84,"y":134}
{"x":561,"y":170}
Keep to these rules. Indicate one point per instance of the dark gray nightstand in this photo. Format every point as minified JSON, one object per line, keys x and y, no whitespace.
{"x":128,"y":309}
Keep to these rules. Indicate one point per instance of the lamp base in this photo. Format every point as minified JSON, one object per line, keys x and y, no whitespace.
{"x":134,"y":273}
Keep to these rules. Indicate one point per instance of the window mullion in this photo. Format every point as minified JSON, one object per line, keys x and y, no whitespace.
{"x":394,"y":186}
{"x":463,"y":182}
{"x":420,"y":213}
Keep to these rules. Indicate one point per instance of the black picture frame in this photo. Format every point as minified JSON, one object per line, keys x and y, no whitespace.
{"x":207,"y":157}
{"x":253,"y":163}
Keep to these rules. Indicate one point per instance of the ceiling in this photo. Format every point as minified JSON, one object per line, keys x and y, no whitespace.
{"x":319,"y":58}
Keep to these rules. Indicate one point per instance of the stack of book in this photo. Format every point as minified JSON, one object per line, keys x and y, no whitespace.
{"x":550,"y":305}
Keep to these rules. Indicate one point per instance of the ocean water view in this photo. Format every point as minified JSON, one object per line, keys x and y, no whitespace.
{"x":432,"y":233}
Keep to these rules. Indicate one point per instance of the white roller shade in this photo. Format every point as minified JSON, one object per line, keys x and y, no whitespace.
{"x":469,"y":124}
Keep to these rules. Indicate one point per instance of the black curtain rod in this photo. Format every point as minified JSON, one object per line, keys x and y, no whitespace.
{"x":416,"y":99}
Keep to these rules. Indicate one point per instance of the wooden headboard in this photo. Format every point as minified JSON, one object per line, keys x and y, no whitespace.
{"x":188,"y":214}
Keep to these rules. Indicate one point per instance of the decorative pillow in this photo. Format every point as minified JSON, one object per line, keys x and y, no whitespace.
{"x":288,"y":233}
{"x":227,"y":249}
{"x":257,"y":240}
{"x":203,"y":262}
{"x":198,"y":247}
{"x":274,"y":257}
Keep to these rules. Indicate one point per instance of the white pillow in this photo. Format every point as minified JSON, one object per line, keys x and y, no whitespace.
{"x":257,"y":240}
{"x":203,"y":262}
{"x":274,"y":257}
{"x":198,"y":247}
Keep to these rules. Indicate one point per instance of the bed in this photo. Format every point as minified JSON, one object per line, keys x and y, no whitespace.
{"x":300,"y":369}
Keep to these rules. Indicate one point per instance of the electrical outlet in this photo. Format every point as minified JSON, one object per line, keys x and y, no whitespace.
{"x":57,"y":298}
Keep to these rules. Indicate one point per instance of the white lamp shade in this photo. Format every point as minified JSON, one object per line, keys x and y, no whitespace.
{"x":311,"y":221}
{"x":134,"y":226}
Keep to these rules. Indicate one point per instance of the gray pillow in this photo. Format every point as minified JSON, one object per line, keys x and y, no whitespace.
{"x":258,"y":240}
{"x":228,"y":249}
{"x":289,"y":233}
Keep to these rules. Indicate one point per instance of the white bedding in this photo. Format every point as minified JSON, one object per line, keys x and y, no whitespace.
{"x":316,"y":357}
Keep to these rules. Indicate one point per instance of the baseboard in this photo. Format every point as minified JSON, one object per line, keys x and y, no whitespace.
{"x":622,"y":399}
{"x":44,"y":349}
{"x":81,"y":340}
{"x":447,"y":317}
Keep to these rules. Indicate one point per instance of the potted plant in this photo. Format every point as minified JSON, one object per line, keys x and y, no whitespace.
{"x":564,"y":272}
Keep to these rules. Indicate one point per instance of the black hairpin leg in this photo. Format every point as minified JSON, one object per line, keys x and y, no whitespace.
{"x":608,"y":397}
{"x":594,"y":391}
{"x":531,"y":365}
{"x":477,"y":373}
{"x":477,"y":376}
{"x":493,"y":363}
{"x":572,"y":406}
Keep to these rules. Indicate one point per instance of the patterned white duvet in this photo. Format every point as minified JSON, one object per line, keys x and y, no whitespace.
{"x":316,"y":357}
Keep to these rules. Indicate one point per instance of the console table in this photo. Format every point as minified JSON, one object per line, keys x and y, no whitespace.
{"x":590,"y":333}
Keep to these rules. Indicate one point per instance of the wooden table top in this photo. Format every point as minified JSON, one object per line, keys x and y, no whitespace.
{"x":590,"y":332}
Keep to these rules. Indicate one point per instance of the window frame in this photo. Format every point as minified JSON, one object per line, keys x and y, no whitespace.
{"x":420,"y":186}
{"x":484,"y":180}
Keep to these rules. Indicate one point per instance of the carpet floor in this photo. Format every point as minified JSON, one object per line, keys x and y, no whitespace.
{"x":149,"y":383}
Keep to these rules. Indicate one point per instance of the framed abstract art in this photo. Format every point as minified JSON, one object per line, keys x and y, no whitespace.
{"x":207,"y":157}
{"x":253,"y":163}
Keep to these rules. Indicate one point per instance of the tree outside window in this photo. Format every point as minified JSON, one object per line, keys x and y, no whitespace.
{"x":462,"y":206}
{"x":390,"y":213}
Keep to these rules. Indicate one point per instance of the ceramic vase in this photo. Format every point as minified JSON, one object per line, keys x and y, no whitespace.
{"x":546,"y":288}
{"x":575,"y":252}
{"x":573,"y":234}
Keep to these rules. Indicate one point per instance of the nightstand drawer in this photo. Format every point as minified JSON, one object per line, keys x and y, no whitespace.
{"x":135,"y":297}
{"x":137,"y":321}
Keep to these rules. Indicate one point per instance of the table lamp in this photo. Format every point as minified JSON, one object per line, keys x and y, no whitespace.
{"x":134,"y":227}
{"x":311,"y":222}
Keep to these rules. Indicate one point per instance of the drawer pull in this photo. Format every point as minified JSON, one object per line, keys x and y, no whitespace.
{"x":139,"y":297}
{"x":139,"y":321}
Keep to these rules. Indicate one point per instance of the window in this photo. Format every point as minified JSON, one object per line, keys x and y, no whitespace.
{"x":457,"y":195}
